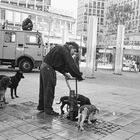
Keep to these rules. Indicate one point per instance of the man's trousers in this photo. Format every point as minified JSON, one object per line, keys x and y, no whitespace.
{"x":47,"y":87}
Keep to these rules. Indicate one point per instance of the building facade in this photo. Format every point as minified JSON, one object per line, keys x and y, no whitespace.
{"x":50,"y":22}
{"x":88,"y":8}
{"x":42,"y":5}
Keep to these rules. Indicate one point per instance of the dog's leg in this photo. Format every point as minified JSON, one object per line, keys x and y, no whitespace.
{"x":15,"y":91}
{"x":83,"y":115}
{"x":61,"y":107}
{"x":90,"y":118}
{"x":79,"y":118}
{"x":4,"y":100}
{"x":12,"y":93}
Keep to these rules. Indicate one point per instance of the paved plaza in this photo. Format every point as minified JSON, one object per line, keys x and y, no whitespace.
{"x":116,"y":96}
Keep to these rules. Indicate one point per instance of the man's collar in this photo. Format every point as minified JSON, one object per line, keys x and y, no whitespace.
{"x":67,"y":47}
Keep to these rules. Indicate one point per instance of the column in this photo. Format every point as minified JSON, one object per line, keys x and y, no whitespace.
{"x":91,"y":46}
{"x":119,"y":50}
{"x":65,"y":37}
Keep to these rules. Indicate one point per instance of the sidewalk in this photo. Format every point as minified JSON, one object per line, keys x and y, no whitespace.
{"x":117,"y":97}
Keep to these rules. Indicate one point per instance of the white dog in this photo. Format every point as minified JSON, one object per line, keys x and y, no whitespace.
{"x":86,"y":111}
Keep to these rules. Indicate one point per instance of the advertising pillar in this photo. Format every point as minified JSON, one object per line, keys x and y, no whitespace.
{"x":119,"y":50}
{"x":65,"y":37}
{"x":91,"y":47}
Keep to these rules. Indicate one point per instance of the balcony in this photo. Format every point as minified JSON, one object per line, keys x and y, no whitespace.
{"x":31,"y":2}
{"x":39,"y":3}
{"x":22,"y":1}
{"x":47,"y":2}
{"x":5,"y":1}
{"x":13,"y":1}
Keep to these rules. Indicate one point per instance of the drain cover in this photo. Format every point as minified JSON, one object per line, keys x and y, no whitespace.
{"x":101,"y":127}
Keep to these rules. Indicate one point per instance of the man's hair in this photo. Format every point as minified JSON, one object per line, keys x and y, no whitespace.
{"x":74,"y":44}
{"x":30,"y":16}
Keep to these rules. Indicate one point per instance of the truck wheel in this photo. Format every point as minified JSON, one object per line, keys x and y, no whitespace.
{"x":25,"y":65}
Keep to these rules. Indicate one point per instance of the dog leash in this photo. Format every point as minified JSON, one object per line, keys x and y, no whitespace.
{"x":68,"y":85}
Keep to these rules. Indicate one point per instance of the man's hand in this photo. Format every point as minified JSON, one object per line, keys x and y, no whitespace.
{"x":67,"y":76}
{"x":80,"y":79}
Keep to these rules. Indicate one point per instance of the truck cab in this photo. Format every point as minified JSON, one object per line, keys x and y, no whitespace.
{"x":23,"y":49}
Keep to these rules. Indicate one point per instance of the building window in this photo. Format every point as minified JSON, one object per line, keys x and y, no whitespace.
{"x":9,"y":15}
{"x":24,"y":16}
{"x":98,"y":4}
{"x":89,"y":11}
{"x":102,"y":20}
{"x":98,"y":12}
{"x":102,"y":5}
{"x":85,"y":27}
{"x":94,"y":11}
{"x":9,"y":37}
{"x":102,"y":13}
{"x":86,"y":5}
{"x":69,"y":26}
{"x":85,"y":17}
{"x":90,"y":4}
{"x":17,"y":17}
{"x":3,"y":14}
{"x":94,"y":4}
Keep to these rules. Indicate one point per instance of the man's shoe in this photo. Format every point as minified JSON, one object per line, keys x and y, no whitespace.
{"x":52,"y":113}
{"x":40,"y":109}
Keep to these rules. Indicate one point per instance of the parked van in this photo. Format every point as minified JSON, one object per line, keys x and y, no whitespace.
{"x":23,"y":49}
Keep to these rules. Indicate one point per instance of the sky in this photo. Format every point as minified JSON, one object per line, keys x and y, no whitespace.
{"x":69,"y":5}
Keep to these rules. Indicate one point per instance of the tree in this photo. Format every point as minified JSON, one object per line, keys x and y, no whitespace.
{"x":117,"y":15}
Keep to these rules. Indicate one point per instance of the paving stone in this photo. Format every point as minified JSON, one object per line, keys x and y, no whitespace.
{"x":135,"y":137}
{"x":53,"y":128}
{"x":68,"y":134}
{"x":11,"y":133}
{"x":4,"y":126}
{"x":23,"y":137}
{"x":26,"y":128}
{"x":122,"y":121}
{"x":39,"y":133}
{"x":53,"y":137}
{"x":111,"y":137}
{"x":2,"y":138}
{"x":123,"y":134}
{"x":134,"y":128}
{"x":83,"y":138}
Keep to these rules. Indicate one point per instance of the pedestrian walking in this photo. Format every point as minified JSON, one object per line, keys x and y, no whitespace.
{"x":58,"y":59}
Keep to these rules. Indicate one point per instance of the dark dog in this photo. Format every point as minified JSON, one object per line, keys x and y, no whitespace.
{"x":14,"y":82}
{"x":4,"y":83}
{"x":81,"y":100}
